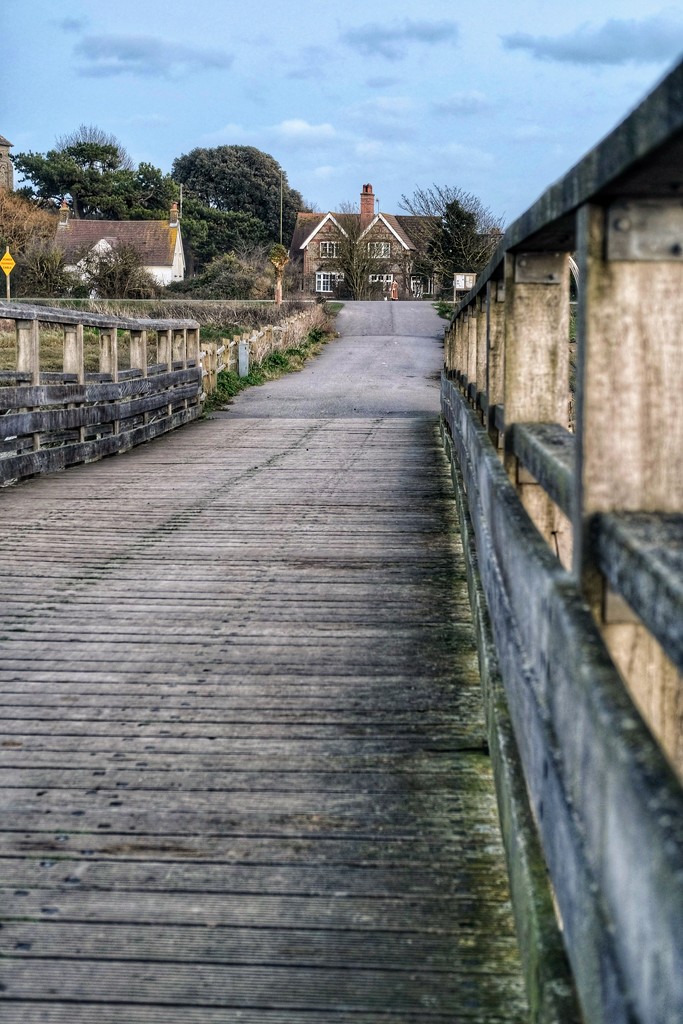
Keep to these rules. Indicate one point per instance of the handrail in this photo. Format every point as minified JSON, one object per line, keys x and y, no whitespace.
{"x":52,"y":315}
{"x":578,"y":543}
{"x":622,"y":165}
{"x":51,"y":420}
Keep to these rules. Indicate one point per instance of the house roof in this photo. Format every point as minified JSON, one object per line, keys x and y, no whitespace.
{"x":407,"y":230}
{"x":391,"y":222}
{"x":306,"y":224}
{"x":155,"y":240}
{"x":414,"y":227}
{"x":5,"y":142}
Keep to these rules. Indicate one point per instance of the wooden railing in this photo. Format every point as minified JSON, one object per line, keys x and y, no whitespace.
{"x":50,"y":419}
{"x":240,"y":353}
{"x":575,"y":542}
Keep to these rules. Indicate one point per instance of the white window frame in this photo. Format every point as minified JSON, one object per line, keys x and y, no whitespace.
{"x":328,"y":250}
{"x":330,"y":278}
{"x":379,"y":250}
{"x":386,"y":280}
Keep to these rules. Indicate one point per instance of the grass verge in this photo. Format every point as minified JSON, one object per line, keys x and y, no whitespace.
{"x":276,"y":365}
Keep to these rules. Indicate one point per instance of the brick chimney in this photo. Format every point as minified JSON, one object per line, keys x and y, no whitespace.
{"x":63,"y":214}
{"x":173,"y":216}
{"x":367,"y":206}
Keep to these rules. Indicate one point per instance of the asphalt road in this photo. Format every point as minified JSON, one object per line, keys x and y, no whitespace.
{"x":386,"y":361}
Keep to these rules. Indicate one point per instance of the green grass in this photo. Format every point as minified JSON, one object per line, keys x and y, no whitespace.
{"x":444,"y":308}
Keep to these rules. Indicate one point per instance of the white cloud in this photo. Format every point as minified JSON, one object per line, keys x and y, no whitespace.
{"x":105,"y":56}
{"x":646,"y":41}
{"x":392,"y":40}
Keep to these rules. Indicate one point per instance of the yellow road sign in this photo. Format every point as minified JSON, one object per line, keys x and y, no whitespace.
{"x":7,"y":263}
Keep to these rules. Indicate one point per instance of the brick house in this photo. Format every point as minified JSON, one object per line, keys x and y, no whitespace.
{"x":392,"y":240}
{"x":159,"y":242}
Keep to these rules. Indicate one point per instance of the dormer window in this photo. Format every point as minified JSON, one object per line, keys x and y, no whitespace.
{"x":379,"y":250}
{"x":328,"y":250}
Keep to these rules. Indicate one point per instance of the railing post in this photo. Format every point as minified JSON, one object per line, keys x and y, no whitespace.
{"x":480,"y":370}
{"x":495,"y":352}
{"x":109,"y":361}
{"x":193,"y":345}
{"x":138,"y":351}
{"x":109,"y":352}
{"x":180,"y":347}
{"x":28,"y":349}
{"x":471,"y":349}
{"x":28,"y":357}
{"x":450,"y":348}
{"x":459,"y":350}
{"x":165,"y":349}
{"x":630,"y":339}
{"x":209,"y":364}
{"x":74,"y":361}
{"x":536,"y":373}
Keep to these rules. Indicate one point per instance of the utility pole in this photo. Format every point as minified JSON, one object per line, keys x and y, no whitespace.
{"x":280,"y":206}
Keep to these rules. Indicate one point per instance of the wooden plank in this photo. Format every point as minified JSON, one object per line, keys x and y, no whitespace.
{"x":47,"y":420}
{"x":319,"y":784}
{"x":50,"y":460}
{"x":548,"y":452}
{"x":641,"y":556}
{"x":46,"y":395}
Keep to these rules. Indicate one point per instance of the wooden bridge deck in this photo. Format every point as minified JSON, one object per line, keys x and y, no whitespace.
{"x":242,"y":767}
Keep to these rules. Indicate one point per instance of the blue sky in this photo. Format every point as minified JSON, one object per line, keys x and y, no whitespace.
{"x":497,"y":98}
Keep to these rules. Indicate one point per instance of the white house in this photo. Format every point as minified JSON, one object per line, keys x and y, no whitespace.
{"x":159,"y":242}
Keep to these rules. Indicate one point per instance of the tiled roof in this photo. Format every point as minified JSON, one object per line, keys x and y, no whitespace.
{"x":154,"y":239}
{"x":305,"y":224}
{"x":414,"y":227}
{"x":5,"y":142}
{"x":395,"y":223}
{"x":409,"y":229}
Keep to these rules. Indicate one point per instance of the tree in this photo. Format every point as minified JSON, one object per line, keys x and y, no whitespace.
{"x":42,"y":271}
{"x":21,"y":223}
{"x":117,"y":272}
{"x":279,"y":257}
{"x":353,"y":259}
{"x":209,"y":233}
{"x":93,"y":172}
{"x":233,"y":275}
{"x":240,"y":179}
{"x":91,"y":135}
{"x":456,"y":232}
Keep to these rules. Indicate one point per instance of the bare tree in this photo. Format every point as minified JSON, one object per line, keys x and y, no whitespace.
{"x":456,"y":231}
{"x":22,"y":222}
{"x":89,"y":135}
{"x":353,"y":258}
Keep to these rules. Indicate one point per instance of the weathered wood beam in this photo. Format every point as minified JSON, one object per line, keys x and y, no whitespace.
{"x":536,"y":371}
{"x":630,"y":345}
{"x":548,"y":452}
{"x":607,"y":805}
